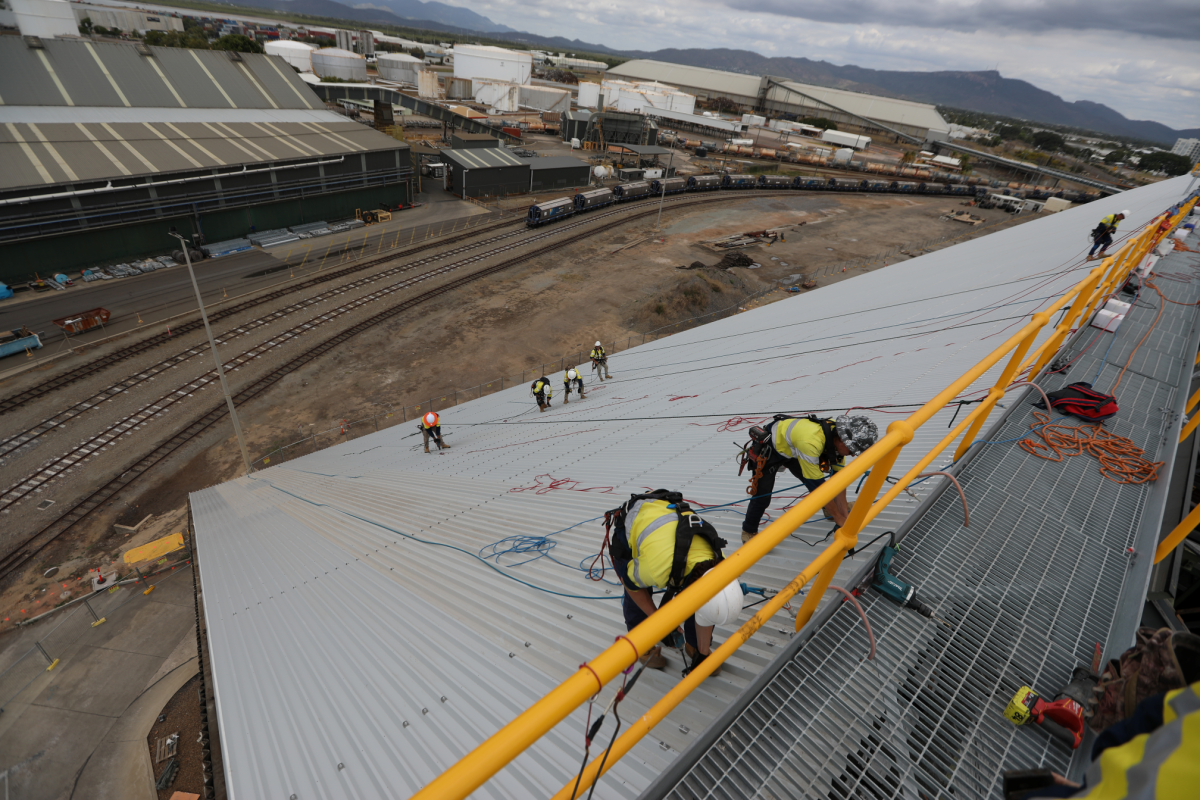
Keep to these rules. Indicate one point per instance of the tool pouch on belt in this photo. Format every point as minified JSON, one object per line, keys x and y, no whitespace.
{"x":1159,"y":661}
{"x":755,"y":455}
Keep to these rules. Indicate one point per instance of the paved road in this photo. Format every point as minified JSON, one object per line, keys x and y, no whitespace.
{"x":166,"y":293}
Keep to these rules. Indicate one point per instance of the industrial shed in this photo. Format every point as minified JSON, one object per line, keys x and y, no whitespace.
{"x":557,"y":172}
{"x":473,"y":141}
{"x":104,"y":146}
{"x":485,"y":172}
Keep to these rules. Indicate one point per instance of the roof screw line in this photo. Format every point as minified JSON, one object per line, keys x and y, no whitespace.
{"x":341,"y":765}
{"x":527,"y":644}
{"x":406,"y":723}
{"x":424,"y":710}
{"x":443,"y":698}
{"x":512,"y":655}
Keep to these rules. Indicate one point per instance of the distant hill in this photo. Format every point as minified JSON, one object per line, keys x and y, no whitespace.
{"x":410,"y":13}
{"x":986,"y":91}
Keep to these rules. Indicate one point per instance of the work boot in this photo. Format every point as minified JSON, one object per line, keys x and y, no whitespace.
{"x":696,"y":658}
{"x":443,"y":446}
{"x":746,"y":537}
{"x":1091,"y":257}
{"x":541,"y":408}
{"x":566,"y":400}
{"x":426,"y":448}
{"x":654,"y":659}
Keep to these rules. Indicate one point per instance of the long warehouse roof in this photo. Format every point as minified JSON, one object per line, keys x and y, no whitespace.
{"x":374,"y":612}
{"x":714,"y":80}
{"x":80,"y":72}
{"x":43,"y":154}
{"x":484,"y":157}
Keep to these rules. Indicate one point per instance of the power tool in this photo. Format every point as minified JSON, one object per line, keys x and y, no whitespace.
{"x":1064,"y":716}
{"x":896,"y":590}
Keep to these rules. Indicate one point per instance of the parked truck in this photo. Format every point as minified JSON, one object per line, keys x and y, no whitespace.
{"x":18,"y":341}
{"x":846,"y":139}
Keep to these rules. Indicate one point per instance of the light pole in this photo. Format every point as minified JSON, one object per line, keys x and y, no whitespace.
{"x":663,"y":197}
{"x":237,"y":426}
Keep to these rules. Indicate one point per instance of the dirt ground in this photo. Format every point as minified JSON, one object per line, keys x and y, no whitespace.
{"x":621,"y":283}
{"x":181,"y":715}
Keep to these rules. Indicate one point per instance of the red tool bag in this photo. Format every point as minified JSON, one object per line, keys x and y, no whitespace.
{"x":1080,"y":400}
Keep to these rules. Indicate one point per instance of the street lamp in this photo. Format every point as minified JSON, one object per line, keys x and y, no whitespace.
{"x":663,"y":197}
{"x":237,"y":426}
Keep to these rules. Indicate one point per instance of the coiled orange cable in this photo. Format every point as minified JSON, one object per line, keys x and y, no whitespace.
{"x":1121,"y":461}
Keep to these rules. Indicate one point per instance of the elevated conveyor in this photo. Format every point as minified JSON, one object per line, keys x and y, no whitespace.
{"x":1057,"y":559}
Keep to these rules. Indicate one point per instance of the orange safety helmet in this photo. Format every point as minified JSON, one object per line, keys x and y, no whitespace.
{"x":430,"y":420}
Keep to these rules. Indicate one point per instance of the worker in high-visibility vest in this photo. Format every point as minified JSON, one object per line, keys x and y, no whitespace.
{"x":542,"y":392}
{"x":657,"y":542}
{"x":572,"y":380}
{"x":1152,"y":755}
{"x":431,"y":428}
{"x":809,"y":448}
{"x":1103,"y":233}
{"x":600,"y":362}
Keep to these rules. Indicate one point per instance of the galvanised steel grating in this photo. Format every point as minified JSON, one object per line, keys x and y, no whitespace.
{"x":1028,"y":590}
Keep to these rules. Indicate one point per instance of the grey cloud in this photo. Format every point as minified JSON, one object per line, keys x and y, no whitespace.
{"x":1171,"y":19}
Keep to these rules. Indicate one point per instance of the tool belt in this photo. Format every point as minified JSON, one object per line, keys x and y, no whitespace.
{"x":755,"y":454}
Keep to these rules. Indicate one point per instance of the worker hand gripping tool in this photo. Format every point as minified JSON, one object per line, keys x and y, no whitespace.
{"x":1063,"y":717}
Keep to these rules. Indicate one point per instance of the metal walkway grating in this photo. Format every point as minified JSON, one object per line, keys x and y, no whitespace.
{"x":1028,"y":590}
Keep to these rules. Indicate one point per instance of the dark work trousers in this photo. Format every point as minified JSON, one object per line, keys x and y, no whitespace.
{"x":766,"y":484}
{"x":634,"y":614}
{"x":1101,"y":242}
{"x":434,"y":433}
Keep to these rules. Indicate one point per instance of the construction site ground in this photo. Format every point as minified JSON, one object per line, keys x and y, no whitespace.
{"x":619,"y":283}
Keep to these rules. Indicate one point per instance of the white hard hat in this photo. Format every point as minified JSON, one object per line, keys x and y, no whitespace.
{"x":572,"y":374}
{"x":597,"y":344}
{"x":1125,"y":213}
{"x":723,"y":608}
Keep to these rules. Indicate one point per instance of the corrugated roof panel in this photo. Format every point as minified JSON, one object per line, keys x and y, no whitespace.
{"x":884,"y":109}
{"x":278,"y":77}
{"x":135,"y":74}
{"x":79,"y":73}
{"x":26,"y":81}
{"x":191,"y":83}
{"x":715,"y":80}
{"x":398,"y":521}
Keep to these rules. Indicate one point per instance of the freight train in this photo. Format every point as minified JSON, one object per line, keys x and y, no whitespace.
{"x":550,"y":210}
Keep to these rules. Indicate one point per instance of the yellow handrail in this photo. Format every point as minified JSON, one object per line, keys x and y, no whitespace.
{"x":498,"y":750}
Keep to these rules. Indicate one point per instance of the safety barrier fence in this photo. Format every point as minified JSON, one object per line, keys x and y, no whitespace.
{"x":875,"y":464}
{"x":76,"y":618}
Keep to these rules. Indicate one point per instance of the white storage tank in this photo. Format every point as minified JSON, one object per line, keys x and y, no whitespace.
{"x":332,"y":62}
{"x":589,"y":94}
{"x":492,"y":63}
{"x":399,"y":67}
{"x":298,"y":54}
{"x":545,"y":98}
{"x":499,"y":95}
{"x":427,"y":83}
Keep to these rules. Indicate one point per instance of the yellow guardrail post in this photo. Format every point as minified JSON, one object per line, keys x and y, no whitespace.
{"x":1039,"y":321}
{"x":1191,"y":403}
{"x":847,"y":535}
{"x":1191,"y":426}
{"x":1181,"y":532}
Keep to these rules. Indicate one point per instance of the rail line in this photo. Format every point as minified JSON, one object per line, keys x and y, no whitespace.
{"x":80,"y":510}
{"x":53,"y":469}
{"x":100,"y":363}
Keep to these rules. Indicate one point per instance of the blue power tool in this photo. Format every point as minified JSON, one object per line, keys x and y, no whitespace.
{"x":898,"y":591}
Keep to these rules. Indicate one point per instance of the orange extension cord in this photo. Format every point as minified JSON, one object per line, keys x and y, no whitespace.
{"x":1121,"y":461}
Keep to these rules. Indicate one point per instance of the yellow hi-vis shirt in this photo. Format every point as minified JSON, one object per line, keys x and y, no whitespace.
{"x":804,"y":441}
{"x":652,"y":540}
{"x":597,"y":353}
{"x":1110,"y":221}
{"x":1161,"y":765}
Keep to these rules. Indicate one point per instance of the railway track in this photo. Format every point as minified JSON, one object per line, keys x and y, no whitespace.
{"x":16,"y":558}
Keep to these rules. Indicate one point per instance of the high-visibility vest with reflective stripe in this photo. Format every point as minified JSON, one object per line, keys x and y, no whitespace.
{"x":597,"y":352}
{"x":804,"y":441}
{"x":651,"y":531}
{"x":543,"y":387}
{"x":1161,"y":765}
{"x":1110,"y":221}
{"x":425,"y":420}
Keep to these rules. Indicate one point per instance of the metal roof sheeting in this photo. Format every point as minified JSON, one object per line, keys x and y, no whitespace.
{"x":43,"y":154}
{"x":884,"y":109}
{"x":79,"y":72}
{"x":484,"y":158}
{"x":345,"y":593}
{"x":713,"y":80}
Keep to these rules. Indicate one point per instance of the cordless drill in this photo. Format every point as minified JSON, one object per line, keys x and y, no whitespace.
{"x":898,"y":591}
{"x":1064,"y":716}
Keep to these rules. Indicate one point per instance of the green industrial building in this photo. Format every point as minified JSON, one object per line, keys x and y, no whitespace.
{"x":105,"y":146}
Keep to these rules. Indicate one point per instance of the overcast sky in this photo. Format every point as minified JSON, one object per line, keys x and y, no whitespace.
{"x":1140,"y":58}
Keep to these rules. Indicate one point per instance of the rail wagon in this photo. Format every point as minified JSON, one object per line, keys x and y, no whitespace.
{"x":774,"y":182}
{"x":632,"y":190}
{"x":668,"y":186}
{"x":550,"y":210}
{"x":703,"y":183}
{"x":593,"y":198}
{"x":738,"y":182}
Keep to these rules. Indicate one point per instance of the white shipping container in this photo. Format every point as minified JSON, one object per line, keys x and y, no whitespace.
{"x":497,"y":94}
{"x":427,"y":83}
{"x":492,"y":63}
{"x":330,"y":62}
{"x":589,"y":95}
{"x":753,"y":119}
{"x":399,"y":67}
{"x":298,"y":54}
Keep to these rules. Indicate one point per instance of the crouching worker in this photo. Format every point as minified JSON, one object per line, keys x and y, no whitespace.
{"x":657,"y":542}
{"x":809,"y":448}
{"x":572,"y":380}
{"x":542,"y":392}
{"x":431,"y":428}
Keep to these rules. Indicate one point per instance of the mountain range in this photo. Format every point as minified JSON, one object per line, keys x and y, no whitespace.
{"x":987,"y":91}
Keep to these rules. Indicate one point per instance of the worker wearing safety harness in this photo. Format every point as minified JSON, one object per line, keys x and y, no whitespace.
{"x":1103,"y":233}
{"x":572,"y":378}
{"x":600,"y":362}
{"x":542,"y":392}
{"x":809,"y":448}
{"x":655,"y":541}
{"x":431,"y":428}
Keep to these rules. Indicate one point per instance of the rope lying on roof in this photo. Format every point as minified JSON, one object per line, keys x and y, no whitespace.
{"x":1121,"y":461}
